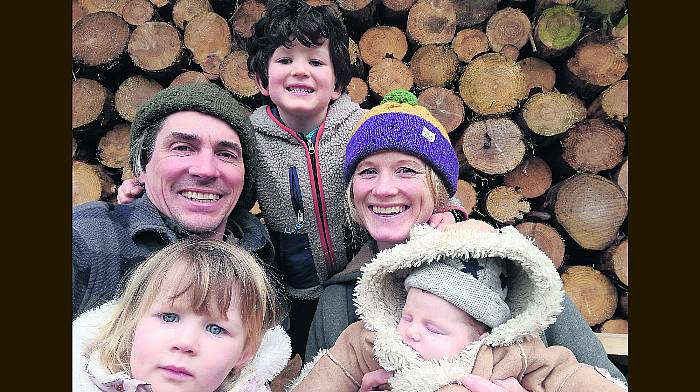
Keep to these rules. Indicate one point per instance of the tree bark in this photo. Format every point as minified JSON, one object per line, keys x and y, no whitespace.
{"x":359,"y":15}
{"x":492,"y":84}
{"x":138,"y":12}
{"x":92,"y":6}
{"x":469,"y":43}
{"x":245,"y":16}
{"x":133,"y":93}
{"x":620,"y":33}
{"x":615,"y":260}
{"x":395,"y":12}
{"x":556,"y":30}
{"x":113,"y":150}
{"x":431,"y":22}
{"x":156,"y":47}
{"x":466,"y":195}
{"x":190,"y":77}
{"x":382,"y":42}
{"x":208,"y":37}
{"x":592,"y":292}
{"x":595,"y":66}
{"x":546,"y":238}
{"x":99,"y":39}
{"x":472,"y":12}
{"x":234,"y":75}
{"x":593,"y":146}
{"x":611,"y":104}
{"x":596,"y":10}
{"x":434,"y":66}
{"x":620,"y":177}
{"x":387,"y":75}
{"x":508,"y":26}
{"x":506,"y":205}
{"x":493,"y":146}
{"x":185,"y":10}
{"x":614,"y":326}
{"x":538,"y":74}
{"x":358,"y":90}
{"x":445,"y":105}
{"x":551,"y":114}
{"x":532,"y":177}
{"x":92,"y":106}
{"x":589,"y":208}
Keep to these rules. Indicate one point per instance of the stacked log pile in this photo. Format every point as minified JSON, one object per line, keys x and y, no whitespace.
{"x":533,"y":93}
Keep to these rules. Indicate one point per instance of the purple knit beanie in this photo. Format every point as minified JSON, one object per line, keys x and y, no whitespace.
{"x":400,"y":124}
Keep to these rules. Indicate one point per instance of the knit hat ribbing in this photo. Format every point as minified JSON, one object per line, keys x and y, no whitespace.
{"x":474,"y":285}
{"x":205,"y":98}
{"x":400,"y":124}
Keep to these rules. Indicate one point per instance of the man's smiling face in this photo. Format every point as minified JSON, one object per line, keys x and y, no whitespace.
{"x":195,"y":174}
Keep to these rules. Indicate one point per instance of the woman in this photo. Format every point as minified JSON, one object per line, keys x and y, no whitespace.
{"x":400,"y":167}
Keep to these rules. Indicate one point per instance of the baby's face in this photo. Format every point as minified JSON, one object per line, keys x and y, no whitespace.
{"x":435,"y":328}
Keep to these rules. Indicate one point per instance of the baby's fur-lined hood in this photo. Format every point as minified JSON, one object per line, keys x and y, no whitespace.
{"x":534,"y":297}
{"x":271,"y":358}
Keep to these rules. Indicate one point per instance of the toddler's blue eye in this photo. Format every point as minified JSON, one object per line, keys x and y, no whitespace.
{"x":214,"y":329}
{"x":169,"y":317}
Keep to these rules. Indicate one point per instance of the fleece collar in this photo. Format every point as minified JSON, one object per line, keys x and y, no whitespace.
{"x":271,"y":358}
{"x":535,"y":298}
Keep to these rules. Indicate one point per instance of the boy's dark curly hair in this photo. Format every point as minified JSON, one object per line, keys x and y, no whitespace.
{"x":286,"y":20}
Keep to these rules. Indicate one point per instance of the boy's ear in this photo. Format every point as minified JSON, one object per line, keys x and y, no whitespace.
{"x":262,"y":89}
{"x":336,"y":93}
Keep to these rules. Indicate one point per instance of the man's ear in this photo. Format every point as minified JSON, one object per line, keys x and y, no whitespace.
{"x":262,"y":89}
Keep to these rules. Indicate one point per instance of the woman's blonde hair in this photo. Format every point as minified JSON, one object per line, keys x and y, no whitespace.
{"x":432,"y":181}
{"x":207,"y":270}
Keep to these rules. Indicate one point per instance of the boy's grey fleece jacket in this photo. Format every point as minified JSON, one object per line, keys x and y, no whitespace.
{"x":301,"y":190}
{"x":90,"y":375}
{"x":336,"y":310}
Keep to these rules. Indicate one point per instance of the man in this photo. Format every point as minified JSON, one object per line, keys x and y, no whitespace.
{"x":192,"y":149}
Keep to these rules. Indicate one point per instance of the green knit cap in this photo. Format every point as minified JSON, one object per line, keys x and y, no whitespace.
{"x":206,"y":98}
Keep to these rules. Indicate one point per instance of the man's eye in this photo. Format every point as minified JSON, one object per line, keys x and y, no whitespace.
{"x":214,"y":329}
{"x":229,"y":156}
{"x":169,"y":317}
{"x":182,"y":147}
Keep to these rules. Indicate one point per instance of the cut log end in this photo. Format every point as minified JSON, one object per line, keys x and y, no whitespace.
{"x":88,"y":183}
{"x":90,"y":102}
{"x":388,"y":75}
{"x":113,"y":150}
{"x":138,"y":12}
{"x":546,"y":238}
{"x":433,"y":66}
{"x":538,"y":74}
{"x":612,"y":103}
{"x":466,"y":195}
{"x":189,"y":77}
{"x":382,"y":42}
{"x":614,"y":326}
{"x":593,"y":146}
{"x":133,"y":93}
{"x":615,"y":259}
{"x":492,"y":84}
{"x":506,"y":205}
{"x":246,"y":15}
{"x":493,"y":146}
{"x":556,"y":30}
{"x":208,"y":37}
{"x":155,"y":46}
{"x":552,"y":113}
{"x":620,"y":177}
{"x":592,"y":292}
{"x":185,"y":10}
{"x":445,"y":105}
{"x":234,"y":75}
{"x":99,"y":38}
{"x":432,"y":22}
{"x":532,"y":177}
{"x":358,"y":90}
{"x":469,"y":43}
{"x":597,"y":64}
{"x":509,"y":26}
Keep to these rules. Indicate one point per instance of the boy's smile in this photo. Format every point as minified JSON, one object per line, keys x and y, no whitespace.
{"x":301,"y":83}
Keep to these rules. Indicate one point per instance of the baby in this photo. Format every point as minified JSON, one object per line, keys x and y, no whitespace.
{"x":446,"y":304}
{"x":196,"y":316}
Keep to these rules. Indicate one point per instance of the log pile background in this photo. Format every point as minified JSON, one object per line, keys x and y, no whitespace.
{"x":534,"y":94}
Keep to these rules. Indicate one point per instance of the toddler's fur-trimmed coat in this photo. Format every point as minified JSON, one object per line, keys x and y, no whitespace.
{"x":512,"y":349}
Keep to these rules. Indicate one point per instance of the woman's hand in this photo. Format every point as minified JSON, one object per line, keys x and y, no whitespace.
{"x":480,"y":384}
{"x":128,"y":191}
{"x":375,"y":381}
{"x":441,"y":219}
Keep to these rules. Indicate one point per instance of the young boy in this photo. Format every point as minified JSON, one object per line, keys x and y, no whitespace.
{"x":299,"y":57}
{"x":446,"y":304}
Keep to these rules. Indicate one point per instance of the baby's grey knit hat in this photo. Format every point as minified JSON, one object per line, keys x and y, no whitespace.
{"x":477,"y":286}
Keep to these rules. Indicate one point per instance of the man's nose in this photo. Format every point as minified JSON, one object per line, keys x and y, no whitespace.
{"x":204,"y":165}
